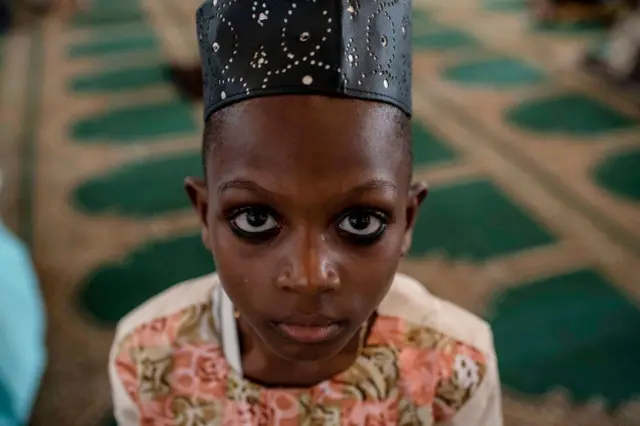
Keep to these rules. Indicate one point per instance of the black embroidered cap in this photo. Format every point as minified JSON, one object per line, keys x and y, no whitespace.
{"x":350,"y":48}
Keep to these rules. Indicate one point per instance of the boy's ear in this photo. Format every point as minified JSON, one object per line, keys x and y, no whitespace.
{"x":197,"y":190}
{"x":417,"y":194}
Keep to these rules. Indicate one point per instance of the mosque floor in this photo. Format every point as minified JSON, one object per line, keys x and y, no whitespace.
{"x":533,"y":221}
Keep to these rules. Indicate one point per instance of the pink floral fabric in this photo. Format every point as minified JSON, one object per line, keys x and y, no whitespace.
{"x":174,"y":370}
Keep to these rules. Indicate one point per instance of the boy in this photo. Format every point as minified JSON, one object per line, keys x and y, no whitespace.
{"x":307,"y":207}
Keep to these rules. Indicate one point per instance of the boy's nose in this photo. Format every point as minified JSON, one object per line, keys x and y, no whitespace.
{"x":308,"y":268}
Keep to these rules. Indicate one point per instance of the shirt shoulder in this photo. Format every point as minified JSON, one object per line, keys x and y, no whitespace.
{"x":410,"y":301}
{"x":170,"y":328}
{"x":446,"y":353}
{"x":176,"y":299}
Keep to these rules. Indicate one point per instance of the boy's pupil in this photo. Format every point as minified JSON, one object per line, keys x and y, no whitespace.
{"x":359,"y":222}
{"x":257,"y":218}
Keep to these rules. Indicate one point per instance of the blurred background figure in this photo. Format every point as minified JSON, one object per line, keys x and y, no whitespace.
{"x":22,"y":332}
{"x":5,"y":17}
{"x":20,"y":11}
{"x":526,"y":127}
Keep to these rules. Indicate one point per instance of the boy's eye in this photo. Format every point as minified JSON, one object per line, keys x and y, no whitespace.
{"x":362,"y":224}
{"x":254,"y":221}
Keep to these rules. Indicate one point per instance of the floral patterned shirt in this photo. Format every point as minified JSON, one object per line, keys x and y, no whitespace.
{"x":168,"y":367}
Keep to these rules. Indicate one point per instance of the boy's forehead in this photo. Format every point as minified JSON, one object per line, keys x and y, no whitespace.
{"x":289,"y":112}
{"x":303,"y":135}
{"x":312,"y":123}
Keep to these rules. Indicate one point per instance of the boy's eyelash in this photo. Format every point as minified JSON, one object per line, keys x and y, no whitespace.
{"x":233,"y":212}
{"x":382,"y":215}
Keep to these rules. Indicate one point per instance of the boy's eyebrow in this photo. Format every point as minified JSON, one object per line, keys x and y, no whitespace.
{"x":249,"y":185}
{"x":373,"y":184}
{"x":244,"y":184}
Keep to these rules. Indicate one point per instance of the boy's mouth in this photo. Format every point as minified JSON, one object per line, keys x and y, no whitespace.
{"x":309,"y":329}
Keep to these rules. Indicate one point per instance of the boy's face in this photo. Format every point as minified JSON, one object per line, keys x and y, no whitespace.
{"x":307,"y":209}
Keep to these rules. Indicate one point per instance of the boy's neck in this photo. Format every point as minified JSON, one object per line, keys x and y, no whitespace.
{"x":263,"y":367}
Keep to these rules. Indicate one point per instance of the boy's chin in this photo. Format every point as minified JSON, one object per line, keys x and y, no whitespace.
{"x":306,"y":352}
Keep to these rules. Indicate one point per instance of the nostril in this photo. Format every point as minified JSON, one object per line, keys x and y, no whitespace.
{"x":331,"y":274}
{"x":284,"y":276}
{"x":284,"y":280}
{"x":331,"y":277}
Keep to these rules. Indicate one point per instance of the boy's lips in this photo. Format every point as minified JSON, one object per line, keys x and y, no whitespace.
{"x":309,"y":329}
{"x":309,"y":333}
